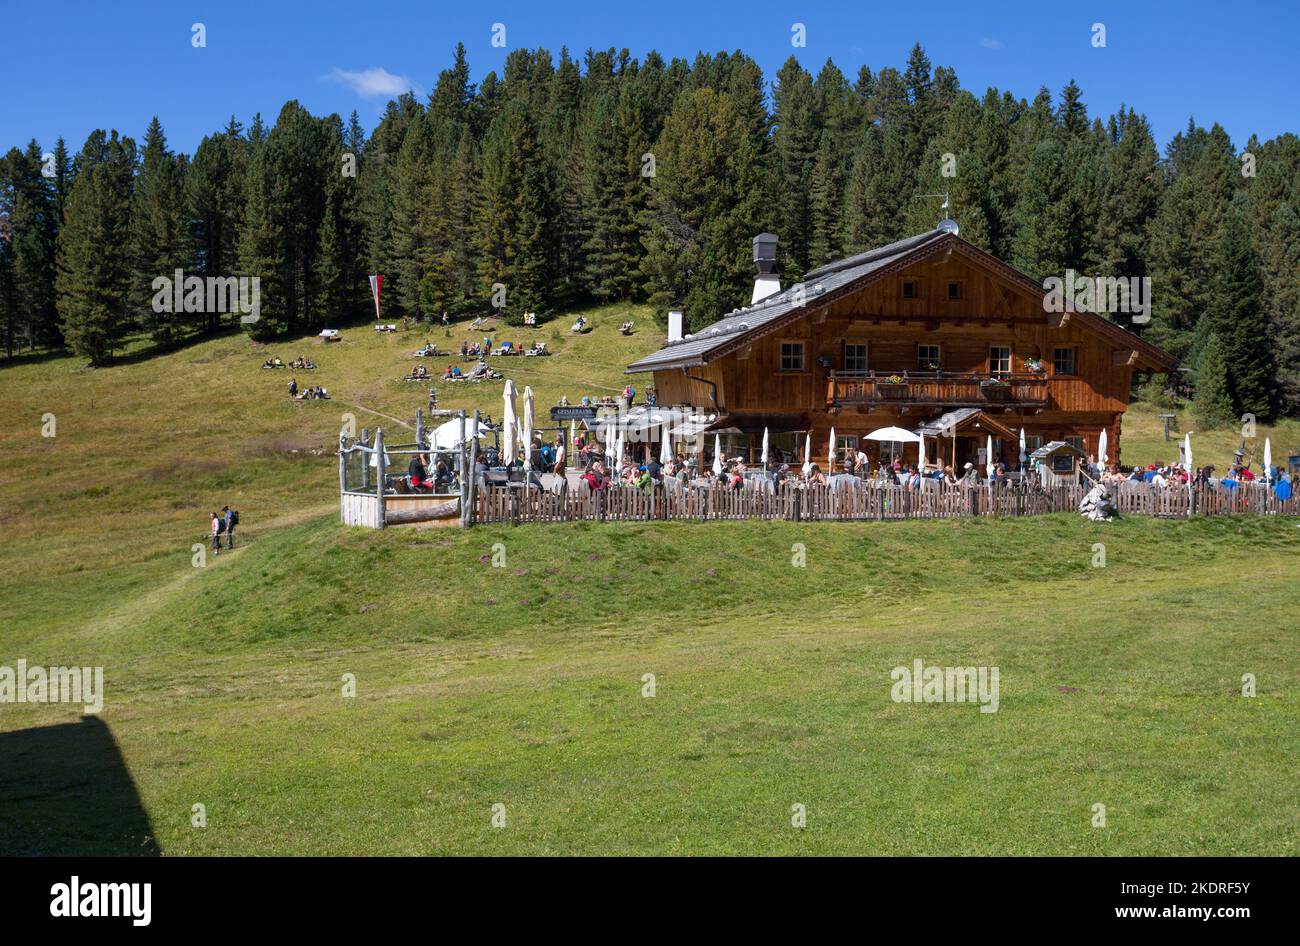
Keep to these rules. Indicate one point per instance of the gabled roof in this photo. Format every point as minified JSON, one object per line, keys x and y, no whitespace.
{"x":1056,"y":446}
{"x":831,"y":282}
{"x":961,"y":418}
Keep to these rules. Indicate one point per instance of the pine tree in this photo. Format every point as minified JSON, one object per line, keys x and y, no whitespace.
{"x":94,"y":275}
{"x":1235,"y":315}
{"x":27,"y":201}
{"x":160,"y":242}
{"x":1212,"y":406}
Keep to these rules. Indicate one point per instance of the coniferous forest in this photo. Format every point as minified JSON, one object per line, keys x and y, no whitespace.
{"x":611,"y":178}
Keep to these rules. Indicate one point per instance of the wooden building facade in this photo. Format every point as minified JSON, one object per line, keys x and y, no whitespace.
{"x":925,"y":328}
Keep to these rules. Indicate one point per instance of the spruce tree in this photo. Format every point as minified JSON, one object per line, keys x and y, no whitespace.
{"x":160,"y":243}
{"x":1212,"y":405}
{"x":94,"y":275}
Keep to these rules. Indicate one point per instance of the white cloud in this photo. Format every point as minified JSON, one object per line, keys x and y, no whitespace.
{"x":991,"y":43}
{"x":372,"y":83}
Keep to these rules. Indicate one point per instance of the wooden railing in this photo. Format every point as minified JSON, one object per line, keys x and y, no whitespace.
{"x":864,"y":501}
{"x":937,"y":388}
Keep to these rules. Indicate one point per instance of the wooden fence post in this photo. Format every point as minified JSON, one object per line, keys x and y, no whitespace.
{"x":365,"y":465}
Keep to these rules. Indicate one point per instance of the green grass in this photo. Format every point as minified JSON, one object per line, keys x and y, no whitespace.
{"x":522,"y":685}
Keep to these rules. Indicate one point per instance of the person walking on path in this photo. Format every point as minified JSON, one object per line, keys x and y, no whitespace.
{"x":231,"y":519}
{"x":216,"y":534}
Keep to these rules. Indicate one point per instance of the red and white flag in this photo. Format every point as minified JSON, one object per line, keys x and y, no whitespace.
{"x":376,"y":287}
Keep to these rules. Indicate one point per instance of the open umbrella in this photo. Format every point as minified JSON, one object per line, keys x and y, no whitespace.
{"x":765,"y":448}
{"x":447,"y":436}
{"x":989,"y":454}
{"x":526,"y":432}
{"x":717,"y":454}
{"x":1101,"y":449}
{"x":830,"y":455}
{"x":807,"y":455}
{"x":509,"y":422}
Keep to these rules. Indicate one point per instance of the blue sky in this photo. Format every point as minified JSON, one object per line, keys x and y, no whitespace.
{"x":114,"y":64}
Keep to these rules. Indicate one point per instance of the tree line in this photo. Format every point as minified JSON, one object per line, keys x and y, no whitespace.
{"x":561,"y":183}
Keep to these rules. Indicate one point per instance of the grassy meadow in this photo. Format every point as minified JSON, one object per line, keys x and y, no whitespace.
{"x":523,"y":685}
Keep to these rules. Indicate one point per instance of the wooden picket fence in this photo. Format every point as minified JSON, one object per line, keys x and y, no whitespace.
{"x":515,"y":504}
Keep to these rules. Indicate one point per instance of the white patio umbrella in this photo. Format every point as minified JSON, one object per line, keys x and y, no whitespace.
{"x":573,"y":432}
{"x":807,"y":455}
{"x":1187,"y":455}
{"x":920,"y":452}
{"x":1023,"y":455}
{"x":765,"y":447}
{"x":618,"y":453}
{"x":526,"y":433}
{"x":611,"y":436}
{"x":447,"y":436}
{"x":830,"y":455}
{"x":509,"y":422}
{"x":717,"y":454}
{"x":988,"y":466}
{"x":896,"y":434}
{"x":1102,"y":444}
{"x":665,"y":446}
{"x":1268,"y":460}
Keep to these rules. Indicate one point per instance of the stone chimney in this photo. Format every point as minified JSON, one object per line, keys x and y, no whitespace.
{"x":766,"y":282}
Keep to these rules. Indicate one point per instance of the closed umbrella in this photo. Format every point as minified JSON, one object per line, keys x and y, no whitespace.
{"x":1187,"y":455}
{"x":1268,"y":460}
{"x":989,"y":454}
{"x":807,"y":455}
{"x":1023,"y":455}
{"x":764,"y":448}
{"x":666,"y":447}
{"x":573,"y":432}
{"x":509,"y":422}
{"x":618,"y":453}
{"x":830,"y":455}
{"x":920,"y":453}
{"x":1101,"y":449}
{"x":717,"y":454}
{"x":526,"y":433}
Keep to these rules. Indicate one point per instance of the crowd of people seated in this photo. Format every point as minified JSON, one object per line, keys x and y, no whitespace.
{"x":418,"y":373}
{"x":315,"y":393}
{"x":298,"y":364}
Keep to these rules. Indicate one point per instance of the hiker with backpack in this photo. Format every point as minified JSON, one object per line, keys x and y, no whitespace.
{"x":231,"y":519}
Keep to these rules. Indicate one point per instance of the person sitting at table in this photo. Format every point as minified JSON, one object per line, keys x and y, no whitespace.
{"x":816,"y":477}
{"x":416,"y":472}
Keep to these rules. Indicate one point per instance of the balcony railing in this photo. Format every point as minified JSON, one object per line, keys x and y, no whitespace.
{"x":937,"y":388}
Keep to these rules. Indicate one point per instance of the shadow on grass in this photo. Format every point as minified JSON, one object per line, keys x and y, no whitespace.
{"x":65,"y":791}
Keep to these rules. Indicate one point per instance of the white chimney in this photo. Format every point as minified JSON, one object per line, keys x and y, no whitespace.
{"x":766,"y":282}
{"x":675,"y":325}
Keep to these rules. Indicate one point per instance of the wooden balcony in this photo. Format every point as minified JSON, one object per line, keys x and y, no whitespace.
{"x":934,"y":389}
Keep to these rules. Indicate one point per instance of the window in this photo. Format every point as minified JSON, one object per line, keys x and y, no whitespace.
{"x":792,"y":356}
{"x":1032,"y":443}
{"x":1063,"y":463}
{"x":1063,"y":361}
{"x":927,"y":358}
{"x":999,"y":359}
{"x":955,"y":290}
{"x":846,"y":448}
{"x":1076,"y":442}
{"x":855,"y":356}
{"x":911,"y":290}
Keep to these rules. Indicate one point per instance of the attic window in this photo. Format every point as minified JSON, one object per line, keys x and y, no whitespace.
{"x":792,"y":356}
{"x":955,"y":290}
{"x":910,"y":289}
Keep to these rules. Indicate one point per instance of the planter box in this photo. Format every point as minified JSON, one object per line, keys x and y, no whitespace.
{"x":891,"y":391}
{"x":996,"y":392}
